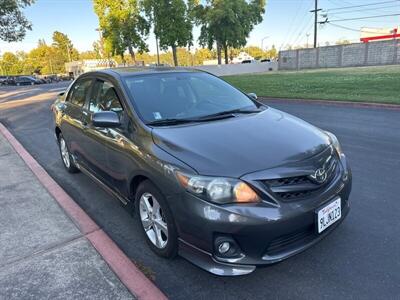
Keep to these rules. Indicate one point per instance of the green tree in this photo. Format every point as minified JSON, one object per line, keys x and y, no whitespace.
{"x":254,"y":51}
{"x":203,"y":54}
{"x":91,"y":54}
{"x":64,"y":47}
{"x":122,"y":25}
{"x":43,"y":60}
{"x":13,"y":23}
{"x":343,"y":42}
{"x":228,"y":23}
{"x":10,"y":64}
{"x":172,"y":23}
{"x":272,"y":53}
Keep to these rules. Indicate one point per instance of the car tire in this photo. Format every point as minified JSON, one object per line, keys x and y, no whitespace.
{"x":66,"y":157}
{"x":158,"y":227}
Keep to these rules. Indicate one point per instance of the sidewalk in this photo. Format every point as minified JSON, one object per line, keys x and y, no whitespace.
{"x":49,"y":248}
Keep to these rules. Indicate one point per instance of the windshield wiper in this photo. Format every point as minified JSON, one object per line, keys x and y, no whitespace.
{"x":173,"y":121}
{"x":231,"y":113}
{"x":169,"y":122}
{"x":216,"y":116}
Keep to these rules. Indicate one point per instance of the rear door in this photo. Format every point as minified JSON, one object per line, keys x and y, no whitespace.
{"x":73,"y":123}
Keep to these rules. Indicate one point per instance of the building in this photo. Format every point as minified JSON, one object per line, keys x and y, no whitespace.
{"x":379,"y":34}
{"x":75,"y":68}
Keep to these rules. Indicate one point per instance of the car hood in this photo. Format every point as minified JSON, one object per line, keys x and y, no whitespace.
{"x":247,"y":143}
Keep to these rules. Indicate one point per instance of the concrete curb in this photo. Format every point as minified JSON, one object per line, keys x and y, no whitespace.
{"x":135,"y":281}
{"x":332,"y":102}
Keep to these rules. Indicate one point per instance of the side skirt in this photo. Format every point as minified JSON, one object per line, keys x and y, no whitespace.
{"x":124,"y":200}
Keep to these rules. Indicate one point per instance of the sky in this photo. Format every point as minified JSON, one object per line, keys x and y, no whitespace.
{"x":285,"y":22}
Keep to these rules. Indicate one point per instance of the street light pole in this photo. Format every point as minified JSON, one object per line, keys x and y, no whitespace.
{"x":158,"y":52}
{"x":262,"y":42}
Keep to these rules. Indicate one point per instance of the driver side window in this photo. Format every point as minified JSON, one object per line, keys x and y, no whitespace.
{"x":105,"y":98}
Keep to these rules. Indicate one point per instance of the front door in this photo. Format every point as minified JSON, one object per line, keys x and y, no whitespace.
{"x":104,"y":143}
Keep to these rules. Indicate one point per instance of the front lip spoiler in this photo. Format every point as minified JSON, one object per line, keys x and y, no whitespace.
{"x":207,"y":262}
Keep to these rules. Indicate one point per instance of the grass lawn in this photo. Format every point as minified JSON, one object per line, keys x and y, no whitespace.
{"x":369,"y":84}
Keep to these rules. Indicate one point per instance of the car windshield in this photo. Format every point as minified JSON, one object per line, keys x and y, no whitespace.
{"x":186,"y":95}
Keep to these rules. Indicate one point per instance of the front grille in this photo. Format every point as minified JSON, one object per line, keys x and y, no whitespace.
{"x":290,"y":241}
{"x":288,"y":181}
{"x":300,"y":187}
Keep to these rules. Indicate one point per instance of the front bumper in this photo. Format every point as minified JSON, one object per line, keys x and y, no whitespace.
{"x":265,"y":233}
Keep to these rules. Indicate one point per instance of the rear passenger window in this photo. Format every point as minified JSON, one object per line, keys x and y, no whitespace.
{"x":80,"y":91}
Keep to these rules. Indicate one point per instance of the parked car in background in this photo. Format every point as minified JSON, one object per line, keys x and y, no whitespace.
{"x":214,"y":175}
{"x":3,"y":80}
{"x":27,"y":80}
{"x":7,"y":80}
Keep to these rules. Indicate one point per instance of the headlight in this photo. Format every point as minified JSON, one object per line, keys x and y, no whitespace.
{"x":335,"y":142}
{"x":217,"y":189}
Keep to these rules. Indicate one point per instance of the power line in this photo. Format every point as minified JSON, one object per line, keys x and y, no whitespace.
{"x":301,"y":34}
{"x":352,"y":29}
{"x":299,"y":30}
{"x":291,"y":24}
{"x":363,"y":5}
{"x":364,"y":9}
{"x":360,"y":18}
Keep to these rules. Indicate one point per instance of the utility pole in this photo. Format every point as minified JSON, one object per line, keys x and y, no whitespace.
{"x":315,"y":11}
{"x":308,"y":34}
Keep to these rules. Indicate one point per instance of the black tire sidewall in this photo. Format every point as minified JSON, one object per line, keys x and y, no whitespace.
{"x":171,"y":249}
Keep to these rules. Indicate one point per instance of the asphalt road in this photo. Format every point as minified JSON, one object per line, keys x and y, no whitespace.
{"x":360,"y":260}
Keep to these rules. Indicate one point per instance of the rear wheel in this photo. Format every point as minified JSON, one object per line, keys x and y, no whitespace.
{"x":66,"y":156}
{"x":155,"y":219}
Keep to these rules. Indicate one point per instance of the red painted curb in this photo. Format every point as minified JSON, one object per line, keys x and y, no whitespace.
{"x":136,"y":282}
{"x":127,"y":272}
{"x":332,"y":102}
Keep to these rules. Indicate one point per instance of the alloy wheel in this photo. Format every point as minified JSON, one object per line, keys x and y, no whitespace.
{"x":64,"y":153}
{"x":153,"y":220}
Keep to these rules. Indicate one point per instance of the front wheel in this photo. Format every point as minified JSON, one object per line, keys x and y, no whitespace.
{"x":66,"y":156}
{"x":155,"y":219}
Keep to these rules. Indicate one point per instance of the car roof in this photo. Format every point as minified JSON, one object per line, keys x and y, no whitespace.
{"x":129,"y":71}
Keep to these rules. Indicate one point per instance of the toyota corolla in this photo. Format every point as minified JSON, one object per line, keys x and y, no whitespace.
{"x":210,"y":172}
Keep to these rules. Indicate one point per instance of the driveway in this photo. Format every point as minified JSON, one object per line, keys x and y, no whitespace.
{"x":361,"y":259}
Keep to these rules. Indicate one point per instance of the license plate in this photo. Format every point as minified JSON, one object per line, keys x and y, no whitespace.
{"x":329,"y":214}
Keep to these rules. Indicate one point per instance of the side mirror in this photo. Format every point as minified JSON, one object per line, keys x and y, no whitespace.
{"x":252,"y":96}
{"x":60,"y":96}
{"x":106,"y":119}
